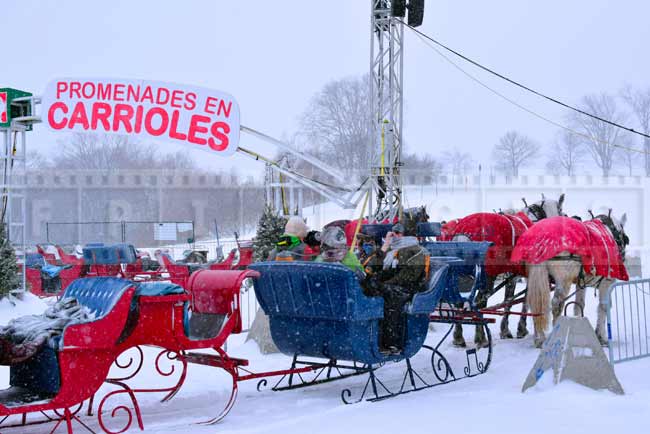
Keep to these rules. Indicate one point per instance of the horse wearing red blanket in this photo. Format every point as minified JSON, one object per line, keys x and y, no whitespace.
{"x":590,"y":253}
{"x":503,"y":230}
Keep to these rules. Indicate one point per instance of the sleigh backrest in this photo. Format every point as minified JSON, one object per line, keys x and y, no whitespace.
{"x":99,"y":294}
{"x":109,"y":255}
{"x":466,"y":259}
{"x":313,"y":290}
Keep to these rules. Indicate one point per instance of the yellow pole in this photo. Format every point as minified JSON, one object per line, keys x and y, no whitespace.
{"x":356,"y":230}
{"x":383,"y":149}
{"x":285,"y":208}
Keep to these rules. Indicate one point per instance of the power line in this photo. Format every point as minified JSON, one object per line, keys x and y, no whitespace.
{"x":524,"y":108}
{"x":522,"y":86}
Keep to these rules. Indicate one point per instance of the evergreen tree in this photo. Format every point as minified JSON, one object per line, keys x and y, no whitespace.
{"x":10,"y":281}
{"x":269,"y":230}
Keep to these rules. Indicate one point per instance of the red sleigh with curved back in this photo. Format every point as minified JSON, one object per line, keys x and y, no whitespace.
{"x":130,"y":315}
{"x":70,"y":369}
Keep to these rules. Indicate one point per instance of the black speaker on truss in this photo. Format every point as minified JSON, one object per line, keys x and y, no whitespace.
{"x":416,"y":13}
{"x":398,"y":8}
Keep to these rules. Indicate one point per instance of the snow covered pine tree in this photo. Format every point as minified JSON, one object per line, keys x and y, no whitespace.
{"x":269,"y":230}
{"x":9,"y":277}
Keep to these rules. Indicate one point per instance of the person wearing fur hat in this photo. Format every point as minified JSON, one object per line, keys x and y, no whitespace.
{"x":334,"y":248}
{"x":291,"y":245}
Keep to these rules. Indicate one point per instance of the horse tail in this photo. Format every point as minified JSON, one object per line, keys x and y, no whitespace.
{"x":539,"y":294}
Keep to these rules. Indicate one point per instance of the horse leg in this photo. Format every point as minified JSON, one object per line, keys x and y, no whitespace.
{"x":508,"y":298}
{"x":522,"y":330}
{"x":564,"y":273}
{"x":538,"y":298}
{"x":601,"y":328}
{"x":579,"y":306}
{"x":459,"y":340}
{"x":481,"y":303}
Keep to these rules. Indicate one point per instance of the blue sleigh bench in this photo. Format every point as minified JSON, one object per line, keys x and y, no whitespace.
{"x":467,"y":268}
{"x":320,"y":310}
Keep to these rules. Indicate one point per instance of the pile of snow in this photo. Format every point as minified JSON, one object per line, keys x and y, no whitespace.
{"x":492,"y":402}
{"x":29,"y":305}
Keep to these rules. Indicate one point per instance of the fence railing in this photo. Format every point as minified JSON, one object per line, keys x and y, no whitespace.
{"x":248,"y":306}
{"x":139,"y":233}
{"x":628,"y":304}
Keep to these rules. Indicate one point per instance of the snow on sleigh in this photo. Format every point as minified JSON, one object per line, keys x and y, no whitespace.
{"x":71,"y":368}
{"x":320,"y":317}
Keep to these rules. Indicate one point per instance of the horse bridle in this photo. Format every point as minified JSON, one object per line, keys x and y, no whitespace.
{"x":619,"y":235}
{"x":537,"y":210}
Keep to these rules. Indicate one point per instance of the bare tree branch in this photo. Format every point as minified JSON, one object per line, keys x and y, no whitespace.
{"x":639,"y":102}
{"x":457,"y":163}
{"x":112,"y":152}
{"x":566,"y":154}
{"x":602,"y":136}
{"x":336,"y":124}
{"x":513,"y":151}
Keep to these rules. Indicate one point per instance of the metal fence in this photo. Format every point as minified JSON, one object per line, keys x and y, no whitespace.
{"x":248,"y":306}
{"x":139,"y":233}
{"x":174,"y":237}
{"x":627,"y":320}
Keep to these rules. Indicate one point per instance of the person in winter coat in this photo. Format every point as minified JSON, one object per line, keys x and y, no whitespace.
{"x":312,"y":244}
{"x":398,"y":272}
{"x":290,"y":246}
{"x":334,"y":248}
{"x":372,"y":260}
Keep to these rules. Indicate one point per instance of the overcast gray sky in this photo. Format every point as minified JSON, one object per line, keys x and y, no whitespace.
{"x":272,"y":56}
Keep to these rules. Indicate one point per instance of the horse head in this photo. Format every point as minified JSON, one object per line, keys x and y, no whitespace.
{"x":617,"y":228}
{"x":545,"y":208}
{"x":413,"y":216}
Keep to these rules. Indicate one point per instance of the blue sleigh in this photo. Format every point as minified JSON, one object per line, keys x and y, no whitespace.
{"x":319,"y":311}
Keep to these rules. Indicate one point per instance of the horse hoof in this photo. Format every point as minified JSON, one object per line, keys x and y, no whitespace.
{"x":522,"y":333}
{"x":460,"y":343}
{"x":539,"y":342}
{"x":506,"y":335}
{"x":482,"y":344}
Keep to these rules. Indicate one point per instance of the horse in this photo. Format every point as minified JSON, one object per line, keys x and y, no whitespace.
{"x":590,"y":253}
{"x":503,"y":229}
{"x":413,"y":216}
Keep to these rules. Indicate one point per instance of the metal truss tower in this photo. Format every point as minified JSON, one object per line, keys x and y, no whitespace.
{"x":386,"y":90}
{"x":17,"y":115}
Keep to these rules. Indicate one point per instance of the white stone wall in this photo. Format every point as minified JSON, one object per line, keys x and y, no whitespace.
{"x":446,"y":200}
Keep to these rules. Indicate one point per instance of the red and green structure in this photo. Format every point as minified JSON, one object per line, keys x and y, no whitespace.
{"x":17,"y":116}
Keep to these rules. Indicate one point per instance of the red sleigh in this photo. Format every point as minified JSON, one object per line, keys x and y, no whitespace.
{"x":129,"y":316}
{"x":71,"y":368}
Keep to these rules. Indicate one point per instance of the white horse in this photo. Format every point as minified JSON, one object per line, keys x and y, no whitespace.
{"x":567,"y":269}
{"x":537,"y":211}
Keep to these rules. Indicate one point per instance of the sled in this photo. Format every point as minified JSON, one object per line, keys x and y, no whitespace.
{"x":319,"y":311}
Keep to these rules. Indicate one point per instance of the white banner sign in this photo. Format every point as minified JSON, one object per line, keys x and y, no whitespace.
{"x":202,"y":118}
{"x":164,"y":232}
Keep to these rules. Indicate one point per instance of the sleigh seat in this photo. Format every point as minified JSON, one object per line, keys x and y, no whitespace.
{"x":103,"y":260}
{"x":467,"y":268}
{"x":320,"y":310}
{"x":71,"y":366}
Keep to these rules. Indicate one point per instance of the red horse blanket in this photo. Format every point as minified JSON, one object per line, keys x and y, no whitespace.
{"x":503,"y":230}
{"x":590,"y":240}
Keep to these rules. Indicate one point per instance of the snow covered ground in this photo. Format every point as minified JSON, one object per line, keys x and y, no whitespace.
{"x":489,"y":403}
